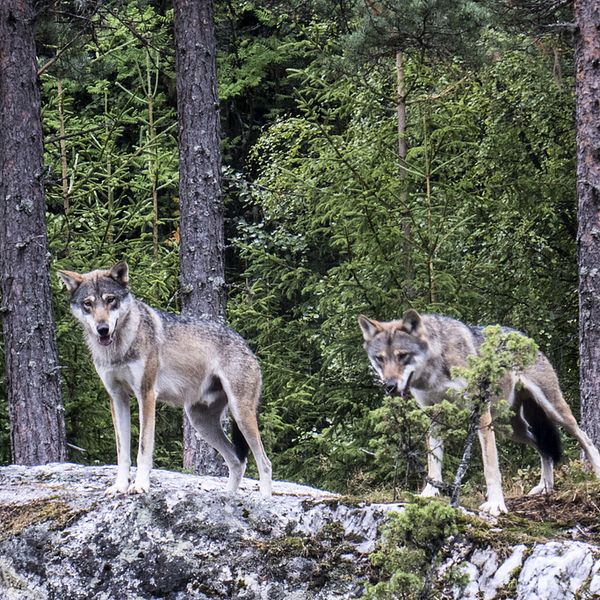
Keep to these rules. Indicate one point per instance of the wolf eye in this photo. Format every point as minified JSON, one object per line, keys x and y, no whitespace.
{"x":110,"y":300}
{"x":380,"y":358}
{"x":87,"y":304}
{"x":400,"y":356}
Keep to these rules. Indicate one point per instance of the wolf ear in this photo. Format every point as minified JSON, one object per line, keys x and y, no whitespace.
{"x":120,"y":273}
{"x":71,"y":279}
{"x":370,"y":327}
{"x":411,"y":321}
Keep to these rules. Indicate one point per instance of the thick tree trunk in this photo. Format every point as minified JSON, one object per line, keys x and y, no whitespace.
{"x":587,"y":58}
{"x":32,"y":372}
{"x":201,"y":227}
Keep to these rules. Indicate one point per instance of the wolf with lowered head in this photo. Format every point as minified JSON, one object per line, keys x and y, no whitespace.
{"x":195,"y":363}
{"x":416,"y":354}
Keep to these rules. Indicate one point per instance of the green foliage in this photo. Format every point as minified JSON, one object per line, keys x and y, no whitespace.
{"x":339,"y":233}
{"x":500,"y":352}
{"x":410,"y":548}
{"x":439,"y":27}
{"x":323,"y":220}
{"x":400,"y":428}
{"x":112,"y":195}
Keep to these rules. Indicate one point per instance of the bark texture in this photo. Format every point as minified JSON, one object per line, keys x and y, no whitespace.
{"x":409,"y":271}
{"x":32,"y":371}
{"x":587,"y":58}
{"x":201,"y":227}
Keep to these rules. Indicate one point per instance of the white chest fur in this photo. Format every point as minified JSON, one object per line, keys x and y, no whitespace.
{"x":128,"y":376}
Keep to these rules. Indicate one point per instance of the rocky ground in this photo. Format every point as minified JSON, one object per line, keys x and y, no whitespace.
{"x":62,"y":538}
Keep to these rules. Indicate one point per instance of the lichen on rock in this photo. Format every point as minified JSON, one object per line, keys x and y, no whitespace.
{"x":62,"y":537}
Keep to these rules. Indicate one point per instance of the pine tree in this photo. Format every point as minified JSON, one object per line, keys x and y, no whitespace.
{"x":33,"y":378}
{"x":587,"y":57}
{"x":201,"y":204}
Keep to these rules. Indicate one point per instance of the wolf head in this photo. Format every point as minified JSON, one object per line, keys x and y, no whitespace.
{"x":397,"y":350}
{"x":99,"y":299}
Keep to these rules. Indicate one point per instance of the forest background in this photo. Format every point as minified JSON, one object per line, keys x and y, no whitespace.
{"x":376,"y":157}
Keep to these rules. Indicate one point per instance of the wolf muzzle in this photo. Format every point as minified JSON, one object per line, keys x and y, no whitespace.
{"x":391,"y":387}
{"x":103,"y":331}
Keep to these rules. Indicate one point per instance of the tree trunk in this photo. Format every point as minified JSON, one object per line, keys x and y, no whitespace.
{"x":201,"y":227}
{"x":32,"y":371}
{"x":587,"y":59}
{"x":409,"y":274}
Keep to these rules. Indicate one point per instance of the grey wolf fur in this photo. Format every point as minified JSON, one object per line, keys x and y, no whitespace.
{"x":197,"y":364}
{"x":416,"y":354}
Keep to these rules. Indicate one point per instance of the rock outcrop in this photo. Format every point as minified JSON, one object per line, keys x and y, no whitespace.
{"x":62,"y":538}
{"x":556,"y":570}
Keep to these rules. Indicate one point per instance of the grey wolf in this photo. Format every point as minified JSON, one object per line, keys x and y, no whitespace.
{"x":195,"y":363}
{"x":417,"y":352}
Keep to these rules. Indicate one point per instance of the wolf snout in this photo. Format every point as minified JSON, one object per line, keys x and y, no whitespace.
{"x":102,"y":329}
{"x":390,"y":387}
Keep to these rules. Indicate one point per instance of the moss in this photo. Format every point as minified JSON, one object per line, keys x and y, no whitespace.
{"x":456,"y":577}
{"x":324,"y":556}
{"x":330,"y":539}
{"x":288,"y":546}
{"x":14,"y":518}
{"x":335,"y":501}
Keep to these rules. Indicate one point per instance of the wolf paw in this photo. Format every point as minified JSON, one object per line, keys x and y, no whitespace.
{"x":429,"y":491}
{"x":117,"y":488}
{"x":138,"y":488}
{"x":540,"y":488}
{"x":493,"y":508}
{"x":266,"y":490}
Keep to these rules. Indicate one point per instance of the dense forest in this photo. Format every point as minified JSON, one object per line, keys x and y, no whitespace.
{"x":376,"y":157}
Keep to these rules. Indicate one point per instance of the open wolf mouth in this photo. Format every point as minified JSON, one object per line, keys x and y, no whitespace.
{"x":105,"y":340}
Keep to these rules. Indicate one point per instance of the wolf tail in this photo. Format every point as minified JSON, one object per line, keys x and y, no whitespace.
{"x":543,"y":429}
{"x":239,"y":441}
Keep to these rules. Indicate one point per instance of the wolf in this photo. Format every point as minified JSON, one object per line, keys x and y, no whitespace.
{"x":416,"y":354}
{"x":195,"y":363}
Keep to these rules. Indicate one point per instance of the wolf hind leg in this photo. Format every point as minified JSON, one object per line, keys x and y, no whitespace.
{"x":531,"y":425}
{"x":248,"y":426}
{"x":555,"y":406}
{"x":570,"y":424}
{"x":546,"y":484}
{"x":206,"y":420}
{"x":245,"y":419}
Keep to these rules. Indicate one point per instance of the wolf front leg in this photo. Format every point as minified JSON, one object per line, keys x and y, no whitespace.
{"x":147,"y":407}
{"x":494,"y":504}
{"x":121,"y":417}
{"x":435,"y":460}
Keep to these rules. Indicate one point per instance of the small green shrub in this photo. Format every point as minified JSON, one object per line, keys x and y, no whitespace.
{"x":410,"y":549}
